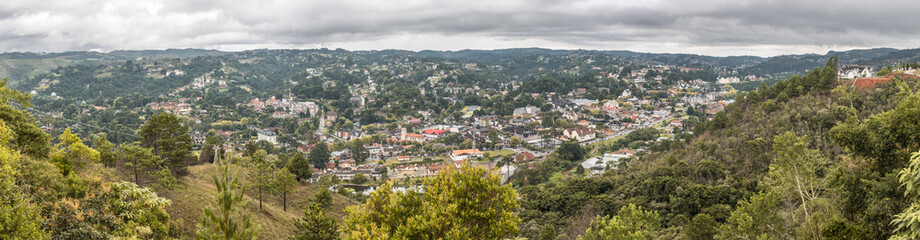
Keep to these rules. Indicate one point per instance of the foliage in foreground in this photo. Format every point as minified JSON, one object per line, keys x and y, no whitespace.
{"x":464,"y":203}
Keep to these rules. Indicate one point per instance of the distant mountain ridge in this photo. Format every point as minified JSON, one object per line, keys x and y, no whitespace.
{"x":18,"y":65}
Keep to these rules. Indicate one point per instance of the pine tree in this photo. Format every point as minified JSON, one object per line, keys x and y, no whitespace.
{"x":224,"y":223}
{"x":285,"y":182}
{"x":315,"y":225}
{"x":300,"y":167}
{"x":262,"y":175}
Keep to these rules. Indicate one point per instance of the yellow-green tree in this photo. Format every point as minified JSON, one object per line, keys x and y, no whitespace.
{"x":464,"y":203}
{"x":756,"y":218}
{"x":70,"y":154}
{"x":908,"y":221}
{"x":631,"y":223}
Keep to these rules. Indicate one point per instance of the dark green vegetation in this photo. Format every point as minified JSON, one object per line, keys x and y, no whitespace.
{"x":803,"y":159}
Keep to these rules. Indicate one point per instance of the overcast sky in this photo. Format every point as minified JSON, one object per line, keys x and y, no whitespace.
{"x":711,"y":27}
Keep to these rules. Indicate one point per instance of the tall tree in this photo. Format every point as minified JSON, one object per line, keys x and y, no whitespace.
{"x":358,"y":151}
{"x":319,"y":155}
{"x":169,"y":139}
{"x":315,"y":225}
{"x":19,"y":217}
{"x":106,"y":150}
{"x":262,"y":174}
{"x":28,"y":139}
{"x":224,"y":223}
{"x":285,"y":182}
{"x":795,"y":170}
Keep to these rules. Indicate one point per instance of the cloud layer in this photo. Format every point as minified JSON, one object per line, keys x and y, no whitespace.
{"x":715,"y":27}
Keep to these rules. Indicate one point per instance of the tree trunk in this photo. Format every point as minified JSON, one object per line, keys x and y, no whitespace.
{"x":800,"y":189}
{"x":284,"y":200}
{"x":136,"y":182}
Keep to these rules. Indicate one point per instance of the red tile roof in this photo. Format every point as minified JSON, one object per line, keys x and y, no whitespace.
{"x":434,"y":131}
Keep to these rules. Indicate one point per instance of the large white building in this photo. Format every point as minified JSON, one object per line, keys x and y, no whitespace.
{"x":526,"y":111}
{"x":265,"y":135}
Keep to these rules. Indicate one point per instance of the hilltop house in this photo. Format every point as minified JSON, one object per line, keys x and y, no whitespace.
{"x":854,"y":71}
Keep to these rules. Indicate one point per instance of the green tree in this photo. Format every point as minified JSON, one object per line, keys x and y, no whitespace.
{"x":703,"y":226}
{"x":110,"y":211}
{"x":169,"y":139}
{"x":756,"y":218}
{"x":631,"y":222}
{"x":225,"y":223}
{"x":106,"y":150}
{"x":27,"y":138}
{"x":359,"y":152}
{"x":207,"y":154}
{"x":315,"y":225}
{"x":319,"y":155}
{"x":262,"y":175}
{"x":285,"y":182}
{"x":140,"y":160}
{"x":571,"y":151}
{"x":359,"y":178}
{"x":908,"y":221}
{"x":19,"y":218}
{"x":300,"y":167}
{"x":464,"y":203}
{"x":548,"y":232}
{"x":323,"y":198}
{"x":794,"y":171}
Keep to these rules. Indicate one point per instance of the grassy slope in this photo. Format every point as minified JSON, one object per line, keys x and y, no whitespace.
{"x":29,"y":67}
{"x":197,"y":191}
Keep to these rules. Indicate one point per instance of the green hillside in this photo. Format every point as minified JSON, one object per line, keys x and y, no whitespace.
{"x":847,"y":146}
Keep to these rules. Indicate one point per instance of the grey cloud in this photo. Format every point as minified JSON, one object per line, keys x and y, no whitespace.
{"x":142,"y":24}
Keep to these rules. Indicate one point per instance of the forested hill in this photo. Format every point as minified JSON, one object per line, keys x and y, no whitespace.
{"x":19,"y":66}
{"x":808,"y":158}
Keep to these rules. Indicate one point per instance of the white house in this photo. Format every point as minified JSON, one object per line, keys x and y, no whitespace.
{"x":460,"y":155}
{"x":526,"y":111}
{"x":854,"y":71}
{"x":265,"y":135}
{"x":579,"y":134}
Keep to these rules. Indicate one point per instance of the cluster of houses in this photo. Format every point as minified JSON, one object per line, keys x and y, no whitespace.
{"x":286,"y":107}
